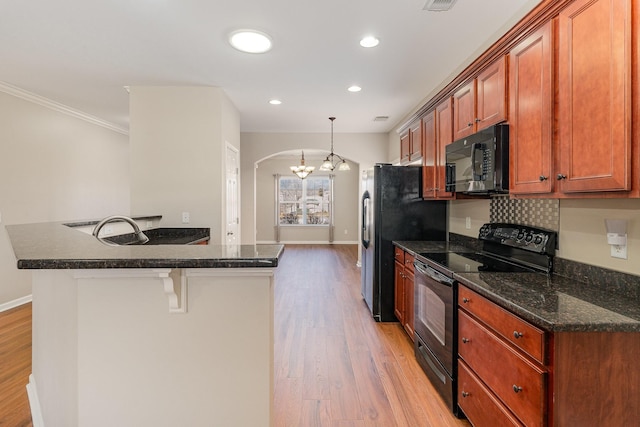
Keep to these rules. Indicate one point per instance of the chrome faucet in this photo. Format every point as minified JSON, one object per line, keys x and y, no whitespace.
{"x":142,"y":238}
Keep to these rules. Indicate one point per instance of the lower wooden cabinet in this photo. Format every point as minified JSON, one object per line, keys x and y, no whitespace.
{"x":512,"y":373}
{"x":479,"y":403}
{"x":404,"y":278}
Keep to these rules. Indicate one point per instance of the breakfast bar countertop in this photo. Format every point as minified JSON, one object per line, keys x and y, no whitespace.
{"x":57,"y":245}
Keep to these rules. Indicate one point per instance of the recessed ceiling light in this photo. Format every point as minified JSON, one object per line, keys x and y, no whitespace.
{"x":275,"y":102}
{"x":369,"y":41}
{"x":354,"y":88}
{"x":250,"y":41}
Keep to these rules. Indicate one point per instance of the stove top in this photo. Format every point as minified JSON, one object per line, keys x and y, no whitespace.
{"x":510,"y":248}
{"x":472,"y":263}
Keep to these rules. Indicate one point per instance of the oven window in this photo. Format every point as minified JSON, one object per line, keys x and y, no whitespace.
{"x":431,"y":312}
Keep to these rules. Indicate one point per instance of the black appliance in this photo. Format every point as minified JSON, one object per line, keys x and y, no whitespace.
{"x":479,"y":163}
{"x":506,"y":248}
{"x":393,"y":209}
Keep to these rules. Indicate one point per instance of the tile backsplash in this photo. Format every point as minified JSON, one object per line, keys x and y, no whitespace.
{"x":542,"y":213}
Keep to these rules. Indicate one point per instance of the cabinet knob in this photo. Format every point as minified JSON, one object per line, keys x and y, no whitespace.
{"x":516,"y":389}
{"x":477,"y":120}
{"x":543,"y":178}
{"x":465,"y":340}
{"x":465,"y":394}
{"x":469,"y":124}
{"x":465,"y":300}
{"x":561,"y":176}
{"x":517,"y":335}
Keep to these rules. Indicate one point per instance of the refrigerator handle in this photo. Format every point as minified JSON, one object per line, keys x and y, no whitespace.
{"x":364,"y":236}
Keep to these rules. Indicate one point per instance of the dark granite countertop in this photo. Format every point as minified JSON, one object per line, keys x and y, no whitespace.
{"x":417,"y":247}
{"x":553,"y":303}
{"x":56,"y":245}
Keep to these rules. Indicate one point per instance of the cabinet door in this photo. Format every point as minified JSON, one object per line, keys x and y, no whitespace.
{"x":464,"y":113}
{"x":408,"y":303}
{"x":415,"y":141}
{"x":405,"y":147}
{"x":444,"y":136}
{"x":429,"y":151}
{"x":491,"y":100}
{"x":530,"y":114}
{"x":398,"y":307}
{"x":594,"y":103}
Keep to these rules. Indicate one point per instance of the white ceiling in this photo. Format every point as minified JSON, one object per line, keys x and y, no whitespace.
{"x":81,"y":53}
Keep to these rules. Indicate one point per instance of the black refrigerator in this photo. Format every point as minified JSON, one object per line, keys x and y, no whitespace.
{"x":393,"y":209}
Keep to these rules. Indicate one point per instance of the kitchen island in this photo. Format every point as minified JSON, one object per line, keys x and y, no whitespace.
{"x":159,"y":335}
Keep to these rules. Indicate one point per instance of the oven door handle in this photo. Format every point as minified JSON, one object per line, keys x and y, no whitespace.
{"x":433,"y":274}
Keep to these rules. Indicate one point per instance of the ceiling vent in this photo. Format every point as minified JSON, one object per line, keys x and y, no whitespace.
{"x":439,"y":5}
{"x":381,"y":118}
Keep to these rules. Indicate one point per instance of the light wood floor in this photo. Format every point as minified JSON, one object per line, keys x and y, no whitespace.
{"x":334,"y":366}
{"x":15,"y":366}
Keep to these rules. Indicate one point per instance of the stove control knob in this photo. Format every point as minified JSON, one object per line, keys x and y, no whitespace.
{"x":538,"y":239}
{"x":520,"y":235}
{"x":529,"y":238}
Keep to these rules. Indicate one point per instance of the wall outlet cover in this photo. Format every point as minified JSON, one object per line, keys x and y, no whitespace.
{"x":185,"y":217}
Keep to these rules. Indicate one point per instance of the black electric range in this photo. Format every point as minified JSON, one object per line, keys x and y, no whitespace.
{"x":505,"y":248}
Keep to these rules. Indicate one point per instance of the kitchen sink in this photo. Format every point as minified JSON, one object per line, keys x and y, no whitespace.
{"x":164,"y":236}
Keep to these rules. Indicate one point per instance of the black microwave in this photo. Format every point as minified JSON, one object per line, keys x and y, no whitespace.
{"x":479,"y":163}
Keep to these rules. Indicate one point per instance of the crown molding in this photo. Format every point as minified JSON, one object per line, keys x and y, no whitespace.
{"x":56,"y":106}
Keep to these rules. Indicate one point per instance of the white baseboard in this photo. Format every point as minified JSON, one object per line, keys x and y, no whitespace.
{"x":15,"y":303}
{"x":306,"y":242}
{"x":34,"y":403}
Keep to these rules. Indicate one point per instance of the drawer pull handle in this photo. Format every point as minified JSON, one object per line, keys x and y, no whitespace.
{"x":465,"y":300}
{"x":517,"y":335}
{"x":465,"y":340}
{"x":516,"y":389}
{"x":465,"y":394}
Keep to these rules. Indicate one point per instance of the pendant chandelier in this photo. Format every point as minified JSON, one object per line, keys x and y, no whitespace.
{"x":301,"y":170}
{"x":333,"y":160}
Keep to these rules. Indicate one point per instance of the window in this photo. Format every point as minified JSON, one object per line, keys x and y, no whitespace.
{"x":304,"y":201}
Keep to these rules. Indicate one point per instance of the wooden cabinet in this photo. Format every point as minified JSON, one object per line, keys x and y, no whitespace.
{"x":594,"y":102}
{"x":404,"y":280}
{"x":495,"y":347}
{"x":411,"y":143}
{"x":437,"y":134}
{"x":531,"y":114}
{"x":512,"y":373}
{"x":482,"y":101}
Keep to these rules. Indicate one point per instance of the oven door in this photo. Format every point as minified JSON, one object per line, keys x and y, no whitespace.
{"x":434,"y":314}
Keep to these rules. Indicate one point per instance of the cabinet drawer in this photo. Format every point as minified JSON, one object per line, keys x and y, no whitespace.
{"x":523,"y":335}
{"x":399,"y":254}
{"x":517,"y":382}
{"x":408,"y":261}
{"x":480,"y":406}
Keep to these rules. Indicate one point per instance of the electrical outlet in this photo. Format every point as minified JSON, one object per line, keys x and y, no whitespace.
{"x":345,"y":231}
{"x":107,"y":230}
{"x":149,"y":224}
{"x":185,"y":217}
{"x":468,"y":223}
{"x":619,"y":251}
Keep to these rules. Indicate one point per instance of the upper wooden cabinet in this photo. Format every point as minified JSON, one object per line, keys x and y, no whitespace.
{"x":481,"y":102}
{"x":531,"y":114}
{"x":411,"y":143}
{"x":437,"y":134}
{"x":594,"y":96}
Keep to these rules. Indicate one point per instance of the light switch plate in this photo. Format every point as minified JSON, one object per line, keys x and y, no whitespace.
{"x":185,"y":217}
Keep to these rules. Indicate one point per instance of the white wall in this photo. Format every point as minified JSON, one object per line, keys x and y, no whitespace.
{"x":363,"y":149}
{"x":346,"y":203}
{"x":178,"y":137}
{"x":54,"y":167}
{"x":582,"y":235}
